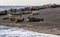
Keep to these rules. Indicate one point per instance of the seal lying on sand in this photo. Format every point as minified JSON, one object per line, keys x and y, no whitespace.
{"x":20,"y":20}
{"x":32,"y":19}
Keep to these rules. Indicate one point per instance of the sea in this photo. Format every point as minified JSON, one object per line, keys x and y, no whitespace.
{"x":9,"y":7}
{"x":6,"y":31}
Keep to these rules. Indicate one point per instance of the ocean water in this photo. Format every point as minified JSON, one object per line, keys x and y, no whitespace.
{"x":9,"y":7}
{"x":20,"y":32}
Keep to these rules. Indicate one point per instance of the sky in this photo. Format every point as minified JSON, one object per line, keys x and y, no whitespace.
{"x":27,"y":2}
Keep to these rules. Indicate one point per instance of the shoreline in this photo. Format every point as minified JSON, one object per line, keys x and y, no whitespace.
{"x":33,"y":27}
{"x":50,"y":25}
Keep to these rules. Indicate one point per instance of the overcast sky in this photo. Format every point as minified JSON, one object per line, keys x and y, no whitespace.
{"x":28,"y":2}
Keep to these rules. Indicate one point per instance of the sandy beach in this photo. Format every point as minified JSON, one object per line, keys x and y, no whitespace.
{"x":50,"y":25}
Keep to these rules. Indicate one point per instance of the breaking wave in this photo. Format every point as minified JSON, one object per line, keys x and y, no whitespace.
{"x":20,"y":32}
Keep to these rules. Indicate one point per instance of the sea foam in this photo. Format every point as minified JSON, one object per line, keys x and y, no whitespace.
{"x":20,"y":32}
